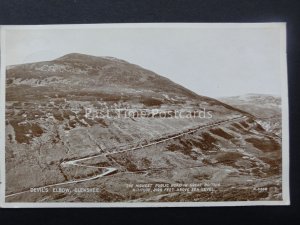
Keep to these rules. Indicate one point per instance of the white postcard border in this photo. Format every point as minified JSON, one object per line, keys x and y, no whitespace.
{"x":285,"y":117}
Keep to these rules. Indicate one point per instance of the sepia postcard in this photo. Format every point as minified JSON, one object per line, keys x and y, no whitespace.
{"x":144,"y":115}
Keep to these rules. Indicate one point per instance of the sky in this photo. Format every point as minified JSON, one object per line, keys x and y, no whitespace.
{"x":211,"y":61}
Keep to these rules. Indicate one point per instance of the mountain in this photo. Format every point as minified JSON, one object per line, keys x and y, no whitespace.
{"x":83,"y":73}
{"x":76,"y":76}
{"x":104,"y":122}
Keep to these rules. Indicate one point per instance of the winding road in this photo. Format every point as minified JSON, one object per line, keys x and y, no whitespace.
{"x":110,"y":170}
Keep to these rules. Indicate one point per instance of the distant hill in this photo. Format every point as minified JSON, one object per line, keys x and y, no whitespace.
{"x":266,"y":108}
